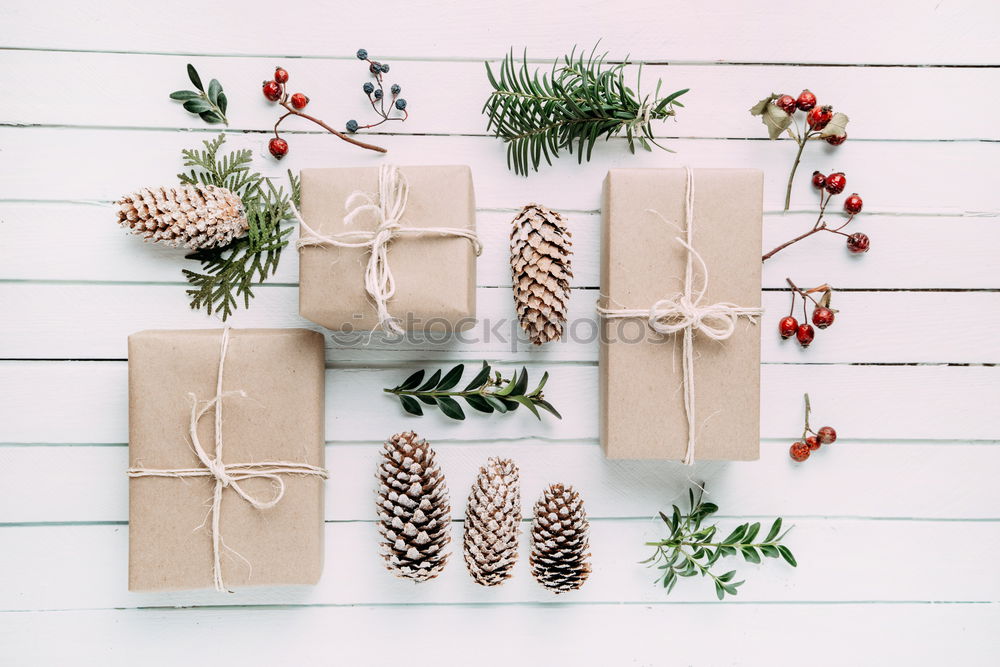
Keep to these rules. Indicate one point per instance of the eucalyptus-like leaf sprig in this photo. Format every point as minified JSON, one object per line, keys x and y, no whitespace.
{"x":582,"y":99}
{"x":691,"y":549}
{"x":230,"y":273}
{"x":210,"y":105}
{"x":487,"y":392}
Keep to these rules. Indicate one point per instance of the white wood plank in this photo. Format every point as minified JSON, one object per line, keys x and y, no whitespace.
{"x":88,"y":483}
{"x":907,"y":251}
{"x":716,"y":106}
{"x":839,"y":561}
{"x":912,"y":634}
{"x":863,"y":402}
{"x":867,"y":329}
{"x":927,"y":32}
{"x":76,"y":167}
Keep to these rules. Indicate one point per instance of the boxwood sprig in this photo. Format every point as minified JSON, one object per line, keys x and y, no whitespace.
{"x":210,"y":105}
{"x":488,"y":392}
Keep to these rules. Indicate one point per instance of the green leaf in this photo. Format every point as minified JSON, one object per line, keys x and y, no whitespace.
{"x":751,"y":533}
{"x":197,"y":105}
{"x":432,"y":382}
{"x":412,"y":382}
{"x":545,"y":405}
{"x":736,"y":535}
{"x":481,"y":377}
{"x":787,"y":555}
{"x":521,"y":384}
{"x":837,"y":127}
{"x":211,"y":117}
{"x":775,"y":529}
{"x":541,"y":385}
{"x":497,"y":404}
{"x":411,"y":405}
{"x":428,"y":399}
{"x":184,"y":95}
{"x":526,"y":402}
{"x":477,"y":402}
{"x":195,"y":79}
{"x":770,"y":550}
{"x":451,"y":378}
{"x":719,"y":591}
{"x":214,"y":88}
{"x":450,"y":407}
{"x":223,"y":102}
{"x":750,"y":554}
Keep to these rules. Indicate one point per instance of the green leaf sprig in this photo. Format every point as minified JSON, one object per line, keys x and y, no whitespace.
{"x":487,"y":392}
{"x":581,"y":100}
{"x":692,"y":550}
{"x":229,"y":274}
{"x":210,"y":105}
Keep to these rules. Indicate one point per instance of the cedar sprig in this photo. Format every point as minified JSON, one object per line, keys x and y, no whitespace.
{"x":230,"y":273}
{"x":210,"y":105}
{"x":692,"y":550}
{"x":487,"y":392}
{"x":582,"y":99}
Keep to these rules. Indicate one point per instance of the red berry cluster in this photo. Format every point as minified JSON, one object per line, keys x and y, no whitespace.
{"x":811,"y":440}
{"x":822,"y":315}
{"x":828,"y":186}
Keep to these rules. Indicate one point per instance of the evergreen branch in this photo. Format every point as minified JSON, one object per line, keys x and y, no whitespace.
{"x":691,"y":550}
{"x":484,"y":393}
{"x":581,"y":100}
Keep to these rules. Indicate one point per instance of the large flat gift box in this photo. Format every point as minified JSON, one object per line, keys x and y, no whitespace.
{"x":642,"y":371}
{"x":434,"y":274}
{"x":274,"y":426}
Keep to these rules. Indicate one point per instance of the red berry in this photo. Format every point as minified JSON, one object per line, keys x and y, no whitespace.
{"x":826,"y":435}
{"x":818,"y":117}
{"x":799,"y":451}
{"x":835,"y":183}
{"x":805,"y":334}
{"x":788,"y":326}
{"x":786,"y":103}
{"x":857,"y":243}
{"x":278,"y":147}
{"x":299,"y":101}
{"x":837,"y":139}
{"x":822,"y":317}
{"x":272,"y":90}
{"x":806,"y":100}
{"x":819,"y":180}
{"x":853,"y":204}
{"x":280,"y":75}
{"x":812,"y":442}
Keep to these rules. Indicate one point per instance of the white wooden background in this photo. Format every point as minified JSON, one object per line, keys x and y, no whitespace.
{"x":897,"y":526}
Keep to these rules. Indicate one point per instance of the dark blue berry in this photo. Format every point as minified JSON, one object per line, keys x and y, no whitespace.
{"x":378,"y":94}
{"x":374,"y":68}
{"x":400,"y":104}
{"x":352,"y":126}
{"x":368,"y":87}
{"x":362,"y":54}
{"x":385,"y":68}
{"x":395,"y":89}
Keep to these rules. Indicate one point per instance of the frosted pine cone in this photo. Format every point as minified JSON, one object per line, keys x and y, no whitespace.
{"x":540,"y":264}
{"x":413,"y":509}
{"x":560,"y":540}
{"x":192,"y":216}
{"x":493,"y":523}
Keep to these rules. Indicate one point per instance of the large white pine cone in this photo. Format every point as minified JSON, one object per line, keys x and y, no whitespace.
{"x":191,"y":216}
{"x":493,"y":523}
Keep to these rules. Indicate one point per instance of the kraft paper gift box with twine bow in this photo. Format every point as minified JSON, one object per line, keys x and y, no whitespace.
{"x":388,"y":247}
{"x":226,"y":472}
{"x":679,"y":307}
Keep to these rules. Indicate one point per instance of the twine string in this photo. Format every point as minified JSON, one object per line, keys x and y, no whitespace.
{"x":227,"y":475}
{"x":388,"y":210}
{"x":685,"y":313}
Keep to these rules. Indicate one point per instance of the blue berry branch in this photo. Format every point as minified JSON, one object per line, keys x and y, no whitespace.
{"x":376,"y":95}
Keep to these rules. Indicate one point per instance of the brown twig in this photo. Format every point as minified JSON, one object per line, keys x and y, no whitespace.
{"x":292,"y":111}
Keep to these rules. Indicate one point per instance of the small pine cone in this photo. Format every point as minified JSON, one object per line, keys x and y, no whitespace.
{"x":560,"y":542}
{"x":540,"y":264}
{"x":192,"y":216}
{"x":493,"y":523}
{"x":413,"y":509}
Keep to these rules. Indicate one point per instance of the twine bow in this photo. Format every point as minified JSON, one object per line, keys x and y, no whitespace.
{"x":228,"y":475}
{"x":685,"y":313}
{"x":388,"y":211}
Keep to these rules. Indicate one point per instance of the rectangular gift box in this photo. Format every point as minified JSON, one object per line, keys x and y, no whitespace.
{"x":641,"y":371}
{"x":280,"y":419}
{"x":435,"y":275}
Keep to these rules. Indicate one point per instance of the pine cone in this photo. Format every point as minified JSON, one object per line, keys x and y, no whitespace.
{"x":560,"y":557}
{"x":492,"y":523}
{"x":540,"y":263}
{"x":413,"y":509}
{"x":192,"y":216}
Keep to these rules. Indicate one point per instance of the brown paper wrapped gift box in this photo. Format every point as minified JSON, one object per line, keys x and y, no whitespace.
{"x":641,"y":372}
{"x":435,"y":275}
{"x":280,"y":419}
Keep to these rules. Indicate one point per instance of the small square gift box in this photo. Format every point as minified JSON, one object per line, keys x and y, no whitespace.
{"x":680,"y":299}
{"x":225,"y":458}
{"x":388,"y":247}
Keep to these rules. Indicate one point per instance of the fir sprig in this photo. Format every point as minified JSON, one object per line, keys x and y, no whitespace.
{"x":230,"y":273}
{"x":691,"y":550}
{"x":487,"y":392}
{"x":209,"y":104}
{"x":582,"y":99}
